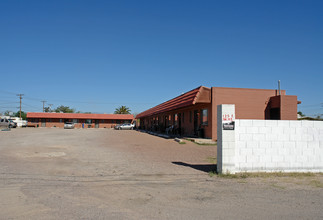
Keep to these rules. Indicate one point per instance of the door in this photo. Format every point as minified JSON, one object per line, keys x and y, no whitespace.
{"x":43,"y":122}
{"x":166,"y":122}
{"x":195,"y":122}
{"x":96,"y":123}
{"x":275,"y":114}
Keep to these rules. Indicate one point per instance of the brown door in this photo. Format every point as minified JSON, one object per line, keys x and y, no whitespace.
{"x":43,"y":122}
{"x":196,"y":122}
{"x":179,"y":124}
{"x":166,"y":122}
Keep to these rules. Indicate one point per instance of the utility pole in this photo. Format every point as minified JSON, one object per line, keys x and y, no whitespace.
{"x":43,"y":105}
{"x":20,"y":97}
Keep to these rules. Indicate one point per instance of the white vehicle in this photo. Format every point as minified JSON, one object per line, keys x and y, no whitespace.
{"x":126,"y":126}
{"x":69,"y":125}
{"x":20,"y":122}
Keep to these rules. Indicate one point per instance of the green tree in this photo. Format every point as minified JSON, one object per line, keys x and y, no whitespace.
{"x":23,"y":115}
{"x":47,"y":109}
{"x":6,"y":113}
{"x":64,"y":109}
{"x":122,"y":110}
{"x":301,"y":114}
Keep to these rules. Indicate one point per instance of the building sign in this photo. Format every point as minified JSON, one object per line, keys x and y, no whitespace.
{"x":228,"y":121}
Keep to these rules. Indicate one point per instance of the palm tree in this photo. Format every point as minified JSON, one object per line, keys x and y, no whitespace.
{"x":122,"y":110}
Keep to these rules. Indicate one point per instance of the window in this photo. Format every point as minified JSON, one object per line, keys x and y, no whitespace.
{"x":88,"y":121}
{"x":75,"y":121}
{"x":102,"y":121}
{"x":60,"y":120}
{"x":204,"y":118}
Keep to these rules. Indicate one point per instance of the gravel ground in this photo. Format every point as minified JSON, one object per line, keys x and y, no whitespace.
{"x":51,"y":173}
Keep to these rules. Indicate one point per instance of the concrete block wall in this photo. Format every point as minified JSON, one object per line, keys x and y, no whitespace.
{"x":270,"y":145}
{"x":277,"y":145}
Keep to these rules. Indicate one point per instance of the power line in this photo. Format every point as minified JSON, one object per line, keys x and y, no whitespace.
{"x":101,"y":103}
{"x":7,"y":102}
{"x":310,"y":106}
{"x":34,"y":99}
{"x":6,"y":97}
{"x":8,"y":107}
{"x":31,"y":106}
{"x":8,"y":92}
{"x":83,"y":102}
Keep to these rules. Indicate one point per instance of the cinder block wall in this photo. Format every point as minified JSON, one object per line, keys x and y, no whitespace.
{"x":276,"y":145}
{"x":269,"y":145}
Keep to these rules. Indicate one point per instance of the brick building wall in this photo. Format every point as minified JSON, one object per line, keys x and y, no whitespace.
{"x":250,"y":104}
{"x":186,"y":124}
{"x":288,"y":107}
{"x":50,"y":123}
{"x":92,"y":120}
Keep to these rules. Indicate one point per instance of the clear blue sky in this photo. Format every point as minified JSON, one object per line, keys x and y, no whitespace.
{"x":97,"y":55}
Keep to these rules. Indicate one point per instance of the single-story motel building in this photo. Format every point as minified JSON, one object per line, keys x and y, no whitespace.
{"x":194,"y":113}
{"x":44,"y":119}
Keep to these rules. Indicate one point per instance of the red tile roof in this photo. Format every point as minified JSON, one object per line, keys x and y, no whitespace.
{"x":184,"y":100}
{"x":79,"y":116}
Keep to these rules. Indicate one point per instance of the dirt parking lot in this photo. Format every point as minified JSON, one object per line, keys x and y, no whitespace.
{"x":51,"y":173}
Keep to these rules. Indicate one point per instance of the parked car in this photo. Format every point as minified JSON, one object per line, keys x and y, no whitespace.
{"x":69,"y":125}
{"x":126,"y":126}
{"x":4,"y":122}
{"x":12,"y":124}
{"x":117,"y":127}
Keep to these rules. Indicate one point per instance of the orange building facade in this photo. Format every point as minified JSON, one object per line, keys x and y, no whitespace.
{"x":194,"y":114}
{"x":80,"y":120}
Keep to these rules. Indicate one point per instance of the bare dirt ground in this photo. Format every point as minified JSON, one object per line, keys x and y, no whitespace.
{"x":107,"y":174}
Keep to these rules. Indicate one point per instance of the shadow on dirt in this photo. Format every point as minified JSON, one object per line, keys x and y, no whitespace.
{"x":202,"y":167}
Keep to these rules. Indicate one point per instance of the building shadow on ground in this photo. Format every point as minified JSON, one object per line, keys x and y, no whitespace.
{"x":201,"y":167}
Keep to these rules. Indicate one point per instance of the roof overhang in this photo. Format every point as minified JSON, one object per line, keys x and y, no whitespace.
{"x":196,"y":96}
{"x":79,"y":116}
